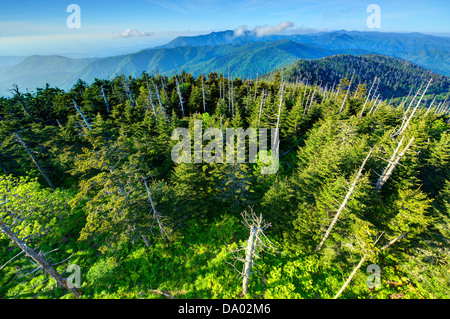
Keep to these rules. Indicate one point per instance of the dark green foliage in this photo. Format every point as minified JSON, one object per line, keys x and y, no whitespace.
{"x":397,"y":78}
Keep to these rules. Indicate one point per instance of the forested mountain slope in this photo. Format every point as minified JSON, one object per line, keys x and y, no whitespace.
{"x":87,"y":179}
{"x":428,"y":51}
{"x":395,"y":77}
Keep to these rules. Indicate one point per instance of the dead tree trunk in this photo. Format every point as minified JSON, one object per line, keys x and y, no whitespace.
{"x":81,"y":113}
{"x":393,"y":162}
{"x":261,"y":107}
{"x":344,"y":203}
{"x":203,"y":96}
{"x":256,"y":226}
{"x":150,"y":97}
{"x":374,"y":103}
{"x":104,"y":98}
{"x":431,"y":105}
{"x":346,"y":94}
{"x":250,"y":255}
{"x":410,"y":104}
{"x":308,"y":107}
{"x":276,"y":139}
{"x":248,"y":90}
{"x":179,"y":95}
{"x":49,"y":182}
{"x":232,"y":100}
{"x":39,"y":259}
{"x":367,"y":98}
{"x":363,"y":259}
{"x":309,"y":101}
{"x":16,"y":91}
{"x":405,"y":125}
{"x":156,"y":215}
{"x":257,"y":241}
{"x":163,"y":84}
{"x":128,"y":91}
{"x":157,"y":95}
{"x":349,"y":279}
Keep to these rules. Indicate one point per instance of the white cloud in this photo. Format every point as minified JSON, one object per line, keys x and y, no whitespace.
{"x":264,"y":30}
{"x":128,"y":33}
{"x":240,"y":30}
{"x":268,"y":30}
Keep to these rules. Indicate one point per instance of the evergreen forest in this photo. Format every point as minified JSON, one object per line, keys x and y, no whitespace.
{"x":359,"y":207}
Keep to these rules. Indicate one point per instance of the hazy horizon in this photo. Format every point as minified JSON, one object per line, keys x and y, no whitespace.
{"x":117,"y":27}
{"x":131,"y":49}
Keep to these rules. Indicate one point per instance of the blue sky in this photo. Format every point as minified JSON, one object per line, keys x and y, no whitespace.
{"x":39,"y":26}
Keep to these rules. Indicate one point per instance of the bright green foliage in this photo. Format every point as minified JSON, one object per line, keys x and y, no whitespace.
{"x":36,"y":213}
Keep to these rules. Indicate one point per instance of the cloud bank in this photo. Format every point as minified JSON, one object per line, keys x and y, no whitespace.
{"x":263,"y":30}
{"x":128,"y":33}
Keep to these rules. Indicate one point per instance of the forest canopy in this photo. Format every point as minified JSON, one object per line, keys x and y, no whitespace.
{"x":87,"y":179}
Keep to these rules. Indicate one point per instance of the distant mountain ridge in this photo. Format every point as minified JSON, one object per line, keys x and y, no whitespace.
{"x":245,"y":55}
{"x":428,"y":51}
{"x":36,"y":70}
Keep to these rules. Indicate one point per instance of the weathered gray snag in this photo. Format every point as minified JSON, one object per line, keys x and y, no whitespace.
{"x":410,"y":104}
{"x":256,"y":226}
{"x":344,"y":202}
{"x":346,"y":94}
{"x":393,"y":162}
{"x":405,"y":124}
{"x":276,"y":139}
{"x":309,"y":101}
{"x":232,"y":100}
{"x":179,"y":95}
{"x":349,"y":279}
{"x":128,"y":91}
{"x":248,"y":90}
{"x":374,"y":103}
{"x":163,"y":85}
{"x":38,"y":258}
{"x":150,"y":97}
{"x":82,"y":115}
{"x":308,"y":107}
{"x":17,"y":92}
{"x":203,"y":96}
{"x":157,"y":95}
{"x":249,"y":256}
{"x":156,"y":215}
{"x":261,"y":107}
{"x":104,"y":98}
{"x":363,"y":259}
{"x":431,"y":105}
{"x":304,"y":94}
{"x":378,"y":105}
{"x":256,"y":242}
{"x":49,"y":182}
